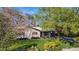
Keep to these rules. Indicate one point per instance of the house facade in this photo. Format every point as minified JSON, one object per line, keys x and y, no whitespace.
{"x":28,"y":32}
{"x":36,"y":32}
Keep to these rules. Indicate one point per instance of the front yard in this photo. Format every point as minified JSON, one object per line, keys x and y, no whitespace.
{"x":39,"y":45}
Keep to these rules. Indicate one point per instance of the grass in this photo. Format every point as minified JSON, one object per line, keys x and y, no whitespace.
{"x":23,"y":45}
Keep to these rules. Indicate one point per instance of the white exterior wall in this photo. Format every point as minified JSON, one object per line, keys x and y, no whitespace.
{"x":28,"y":33}
{"x":35,"y":35}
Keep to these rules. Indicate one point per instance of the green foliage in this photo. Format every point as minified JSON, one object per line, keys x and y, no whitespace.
{"x":6,"y":33}
{"x":66,"y":44}
{"x":77,"y":44}
{"x":63,"y":19}
{"x":38,"y":45}
{"x":77,"y":38}
{"x":54,"y":45}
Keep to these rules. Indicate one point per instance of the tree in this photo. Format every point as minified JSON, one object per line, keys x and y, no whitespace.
{"x":7,"y":28}
{"x":65,"y":20}
{"x":6,"y":31}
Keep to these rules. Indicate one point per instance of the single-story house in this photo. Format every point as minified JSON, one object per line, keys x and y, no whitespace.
{"x":48,"y":33}
{"x":29,"y":32}
{"x":34,"y":32}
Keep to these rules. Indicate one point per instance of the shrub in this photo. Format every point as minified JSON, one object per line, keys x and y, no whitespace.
{"x":52,"y":45}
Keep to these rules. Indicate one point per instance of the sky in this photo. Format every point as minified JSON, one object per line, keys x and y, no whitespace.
{"x":28,"y":10}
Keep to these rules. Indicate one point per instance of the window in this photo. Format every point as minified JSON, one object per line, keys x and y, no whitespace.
{"x":34,"y":33}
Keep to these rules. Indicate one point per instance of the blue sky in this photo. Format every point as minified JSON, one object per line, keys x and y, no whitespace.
{"x":28,"y":10}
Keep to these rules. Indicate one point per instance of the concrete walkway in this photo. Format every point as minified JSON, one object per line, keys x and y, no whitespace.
{"x":71,"y":49}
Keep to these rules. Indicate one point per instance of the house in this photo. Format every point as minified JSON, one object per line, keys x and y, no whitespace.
{"x":28,"y":32}
{"x":48,"y":33}
{"x":33,"y":32}
{"x":36,"y":32}
{"x":22,"y":24}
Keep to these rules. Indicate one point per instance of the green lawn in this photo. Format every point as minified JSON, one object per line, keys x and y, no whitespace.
{"x":39,"y":45}
{"x":24,"y":44}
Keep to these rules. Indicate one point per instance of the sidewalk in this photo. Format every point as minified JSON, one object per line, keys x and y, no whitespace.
{"x":71,"y":49}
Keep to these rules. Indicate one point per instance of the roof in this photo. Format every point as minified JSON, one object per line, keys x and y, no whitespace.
{"x":37,"y":28}
{"x":42,"y":30}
